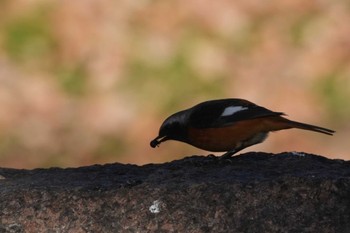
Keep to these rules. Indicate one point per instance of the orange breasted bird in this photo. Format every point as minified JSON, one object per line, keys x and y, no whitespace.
{"x":226,"y":125}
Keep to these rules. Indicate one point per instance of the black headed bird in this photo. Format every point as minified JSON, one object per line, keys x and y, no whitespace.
{"x":226,"y":125}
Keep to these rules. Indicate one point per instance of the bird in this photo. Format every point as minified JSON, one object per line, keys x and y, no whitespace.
{"x":226,"y":125}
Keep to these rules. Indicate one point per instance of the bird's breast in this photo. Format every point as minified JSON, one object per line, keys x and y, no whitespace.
{"x":226,"y":138}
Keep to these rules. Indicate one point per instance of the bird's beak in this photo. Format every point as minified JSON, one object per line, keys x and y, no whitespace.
{"x":155,"y":142}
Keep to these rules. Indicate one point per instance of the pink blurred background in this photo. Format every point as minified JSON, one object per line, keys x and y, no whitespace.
{"x":85,"y":82}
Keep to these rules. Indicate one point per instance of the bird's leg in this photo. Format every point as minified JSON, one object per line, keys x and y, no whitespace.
{"x":255,"y":139}
{"x":229,"y":153}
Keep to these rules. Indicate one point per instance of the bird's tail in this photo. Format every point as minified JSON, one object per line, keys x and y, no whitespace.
{"x":299,"y":125}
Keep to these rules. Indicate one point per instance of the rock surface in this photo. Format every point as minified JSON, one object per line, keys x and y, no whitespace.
{"x":252,"y":192}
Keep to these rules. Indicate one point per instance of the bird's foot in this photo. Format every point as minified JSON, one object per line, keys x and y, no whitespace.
{"x":212,"y":156}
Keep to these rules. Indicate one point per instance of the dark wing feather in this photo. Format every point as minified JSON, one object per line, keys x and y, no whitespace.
{"x":209,"y":114}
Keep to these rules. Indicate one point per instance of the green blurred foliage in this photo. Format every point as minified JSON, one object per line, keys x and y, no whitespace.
{"x":175,"y":81}
{"x":29,"y":37}
{"x":108,"y":147}
{"x":73,"y":80}
{"x":248,"y":37}
{"x":301,"y":26}
{"x":334,"y":89}
{"x":3,"y":2}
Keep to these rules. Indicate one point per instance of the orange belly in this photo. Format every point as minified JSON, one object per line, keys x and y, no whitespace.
{"x":231,"y":137}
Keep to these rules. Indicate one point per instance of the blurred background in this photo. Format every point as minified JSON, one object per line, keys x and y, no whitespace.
{"x":85,"y":82}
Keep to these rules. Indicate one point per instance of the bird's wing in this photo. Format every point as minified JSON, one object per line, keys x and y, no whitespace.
{"x":221,"y":113}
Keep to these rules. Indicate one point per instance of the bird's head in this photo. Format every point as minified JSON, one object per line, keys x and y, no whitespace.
{"x":173,"y":128}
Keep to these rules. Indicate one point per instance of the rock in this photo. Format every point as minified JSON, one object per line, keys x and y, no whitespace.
{"x":252,"y":192}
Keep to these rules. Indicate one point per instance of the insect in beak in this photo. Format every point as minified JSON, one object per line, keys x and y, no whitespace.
{"x":155,"y":143}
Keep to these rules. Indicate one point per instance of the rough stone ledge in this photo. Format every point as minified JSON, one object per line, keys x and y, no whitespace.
{"x":252,"y":192}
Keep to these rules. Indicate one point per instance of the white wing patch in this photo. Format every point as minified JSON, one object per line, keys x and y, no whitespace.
{"x":232,"y":110}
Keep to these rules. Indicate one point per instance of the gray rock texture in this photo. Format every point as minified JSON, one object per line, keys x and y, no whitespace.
{"x":252,"y":192}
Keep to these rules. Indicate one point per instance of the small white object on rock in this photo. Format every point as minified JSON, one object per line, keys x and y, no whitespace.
{"x":300,"y":154}
{"x":156,"y":207}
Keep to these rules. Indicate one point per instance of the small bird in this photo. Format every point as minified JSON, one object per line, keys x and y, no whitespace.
{"x":226,"y":125}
